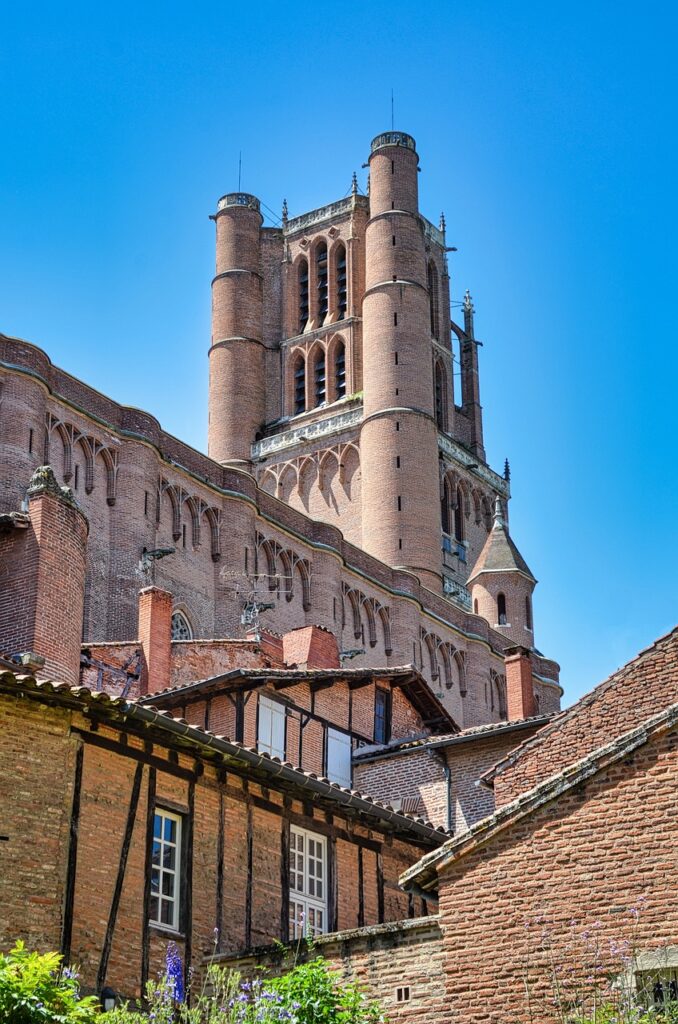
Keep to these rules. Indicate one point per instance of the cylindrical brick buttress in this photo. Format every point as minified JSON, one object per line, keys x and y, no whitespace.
{"x":237,"y":389}
{"x":399,"y":450}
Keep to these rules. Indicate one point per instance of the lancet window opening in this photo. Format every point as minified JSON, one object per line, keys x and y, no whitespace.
{"x":340,"y":369}
{"x":303,"y":295}
{"x":433,"y":297}
{"x":342,"y":294}
{"x":321,"y":273}
{"x":501,"y":610}
{"x":440,"y":380}
{"x":320,"y":378}
{"x":299,"y":385}
{"x":445,"y":503}
{"x":459,"y":516}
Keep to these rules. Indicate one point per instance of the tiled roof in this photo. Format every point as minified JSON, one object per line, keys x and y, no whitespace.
{"x":407,"y":677}
{"x":584,"y":702}
{"x":475,"y":732}
{"x":212,"y":745}
{"x":424,"y":874}
{"x":500,"y":554}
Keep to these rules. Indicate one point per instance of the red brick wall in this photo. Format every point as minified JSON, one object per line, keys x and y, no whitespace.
{"x":155,"y":638}
{"x":43,"y":585}
{"x":420,"y":773}
{"x":207,"y":581}
{"x":37,"y":760}
{"x":380,"y":959}
{"x":587,"y":858}
{"x":37,"y":817}
{"x":632,"y":694}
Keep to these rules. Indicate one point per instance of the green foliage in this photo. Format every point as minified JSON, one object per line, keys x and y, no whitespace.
{"x":577,"y":976}
{"x":311,"y":993}
{"x":35,"y":989}
{"x":317,"y":996}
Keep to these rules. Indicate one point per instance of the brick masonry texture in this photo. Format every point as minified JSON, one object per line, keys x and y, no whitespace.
{"x":642,"y":686}
{"x":587,"y":857}
{"x":382,"y":959}
{"x":421,"y":774}
{"x":304,"y":518}
{"x":246,"y":850}
{"x":154,"y":474}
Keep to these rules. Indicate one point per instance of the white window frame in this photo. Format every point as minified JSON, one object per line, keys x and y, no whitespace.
{"x":160,"y":845}
{"x":307,"y":909}
{"x":339,"y":746}
{"x":272,"y":714}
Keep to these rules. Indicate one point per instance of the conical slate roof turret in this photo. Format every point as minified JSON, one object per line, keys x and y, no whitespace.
{"x":500,"y":553}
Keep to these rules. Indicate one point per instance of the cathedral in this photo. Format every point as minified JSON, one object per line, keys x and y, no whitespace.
{"x":346,"y":483}
{"x":290,"y":688}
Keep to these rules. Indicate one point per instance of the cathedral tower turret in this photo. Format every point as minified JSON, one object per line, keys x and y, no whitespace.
{"x":399,"y":450}
{"x":502,"y":584}
{"x":237,"y":364}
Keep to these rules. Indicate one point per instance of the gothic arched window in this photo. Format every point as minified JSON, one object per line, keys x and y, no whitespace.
{"x":342,"y":293}
{"x":181,"y":627}
{"x":303,"y":295}
{"x":501,"y":610}
{"x":340,"y":370}
{"x":440,"y":381}
{"x":321,"y":275}
{"x":445,"y":503}
{"x":433,"y":297}
{"x":320,"y":378}
{"x":299,"y":385}
{"x":459,"y":515}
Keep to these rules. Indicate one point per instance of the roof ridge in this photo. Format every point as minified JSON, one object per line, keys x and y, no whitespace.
{"x":195,"y":732}
{"x":549,"y":789}
{"x":567,"y":713}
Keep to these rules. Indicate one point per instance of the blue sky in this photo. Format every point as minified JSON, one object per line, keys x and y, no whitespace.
{"x":546,"y":134}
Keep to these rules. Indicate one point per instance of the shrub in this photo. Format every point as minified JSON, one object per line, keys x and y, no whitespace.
{"x":310,"y":993}
{"x":36,"y":989}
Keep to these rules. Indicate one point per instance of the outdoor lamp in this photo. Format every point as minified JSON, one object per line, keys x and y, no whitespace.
{"x":107,"y":998}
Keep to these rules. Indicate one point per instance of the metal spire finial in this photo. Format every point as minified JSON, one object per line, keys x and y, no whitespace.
{"x":284,"y":212}
{"x":468,"y":314}
{"x":442,"y":224}
{"x":354,"y":184}
{"x":507,"y":470}
{"x":498,"y":514}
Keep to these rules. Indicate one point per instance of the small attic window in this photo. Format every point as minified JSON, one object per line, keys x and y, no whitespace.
{"x":501,"y":610}
{"x":403,"y":994}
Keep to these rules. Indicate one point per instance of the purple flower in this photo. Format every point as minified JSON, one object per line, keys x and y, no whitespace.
{"x":175,"y":972}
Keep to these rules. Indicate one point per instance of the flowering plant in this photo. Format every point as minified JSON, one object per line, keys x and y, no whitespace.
{"x":310,"y":993}
{"x":586,"y":979}
{"x":36,"y":989}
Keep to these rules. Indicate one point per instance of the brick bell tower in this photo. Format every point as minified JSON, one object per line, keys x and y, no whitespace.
{"x":399,"y":438}
{"x":237,"y":383}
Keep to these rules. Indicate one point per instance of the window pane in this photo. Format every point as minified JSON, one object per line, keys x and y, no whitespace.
{"x":170,"y":830}
{"x":167,"y":912}
{"x":157,"y":826}
{"x":154,"y":908}
{"x":169,"y":857}
{"x":155,"y":880}
{"x":156,"y":853}
{"x":167,"y":884}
